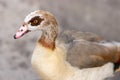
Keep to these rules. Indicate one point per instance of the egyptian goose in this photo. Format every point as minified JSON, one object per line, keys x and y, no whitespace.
{"x":49,"y":56}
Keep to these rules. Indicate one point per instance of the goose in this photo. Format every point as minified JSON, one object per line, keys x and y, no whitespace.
{"x":53,"y":61}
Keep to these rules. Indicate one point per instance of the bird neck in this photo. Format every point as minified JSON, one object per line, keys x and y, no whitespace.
{"x":51,"y":65}
{"x":48,"y":38}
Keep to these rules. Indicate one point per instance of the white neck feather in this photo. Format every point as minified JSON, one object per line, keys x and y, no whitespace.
{"x":51,"y":65}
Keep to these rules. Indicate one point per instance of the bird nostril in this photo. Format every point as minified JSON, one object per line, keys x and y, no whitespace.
{"x":21,"y":30}
{"x":23,"y":25}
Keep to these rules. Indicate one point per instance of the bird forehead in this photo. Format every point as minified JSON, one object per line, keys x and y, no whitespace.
{"x":31,"y":15}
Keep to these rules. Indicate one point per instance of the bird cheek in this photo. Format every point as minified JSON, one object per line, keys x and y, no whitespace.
{"x":32,"y":28}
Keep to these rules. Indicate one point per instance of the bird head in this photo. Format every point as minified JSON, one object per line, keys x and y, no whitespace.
{"x":37,"y":20}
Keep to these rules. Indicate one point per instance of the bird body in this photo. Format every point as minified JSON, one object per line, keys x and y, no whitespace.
{"x":52,"y":65}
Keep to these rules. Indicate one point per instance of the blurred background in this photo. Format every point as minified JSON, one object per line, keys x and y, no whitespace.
{"x":99,"y":16}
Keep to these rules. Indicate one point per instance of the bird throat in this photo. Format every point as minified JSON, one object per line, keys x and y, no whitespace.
{"x":47,"y":40}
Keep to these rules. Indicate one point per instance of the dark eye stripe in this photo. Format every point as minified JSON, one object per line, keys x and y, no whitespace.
{"x":33,"y":20}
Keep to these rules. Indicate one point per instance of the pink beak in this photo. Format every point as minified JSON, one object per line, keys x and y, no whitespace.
{"x":22,"y":31}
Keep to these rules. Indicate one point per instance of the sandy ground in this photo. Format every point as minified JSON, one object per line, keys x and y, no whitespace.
{"x":98,"y":16}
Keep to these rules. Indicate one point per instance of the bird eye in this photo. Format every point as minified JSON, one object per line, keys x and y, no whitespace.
{"x":35,"y":21}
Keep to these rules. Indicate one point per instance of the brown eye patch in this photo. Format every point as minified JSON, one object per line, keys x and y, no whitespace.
{"x":35,"y":21}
